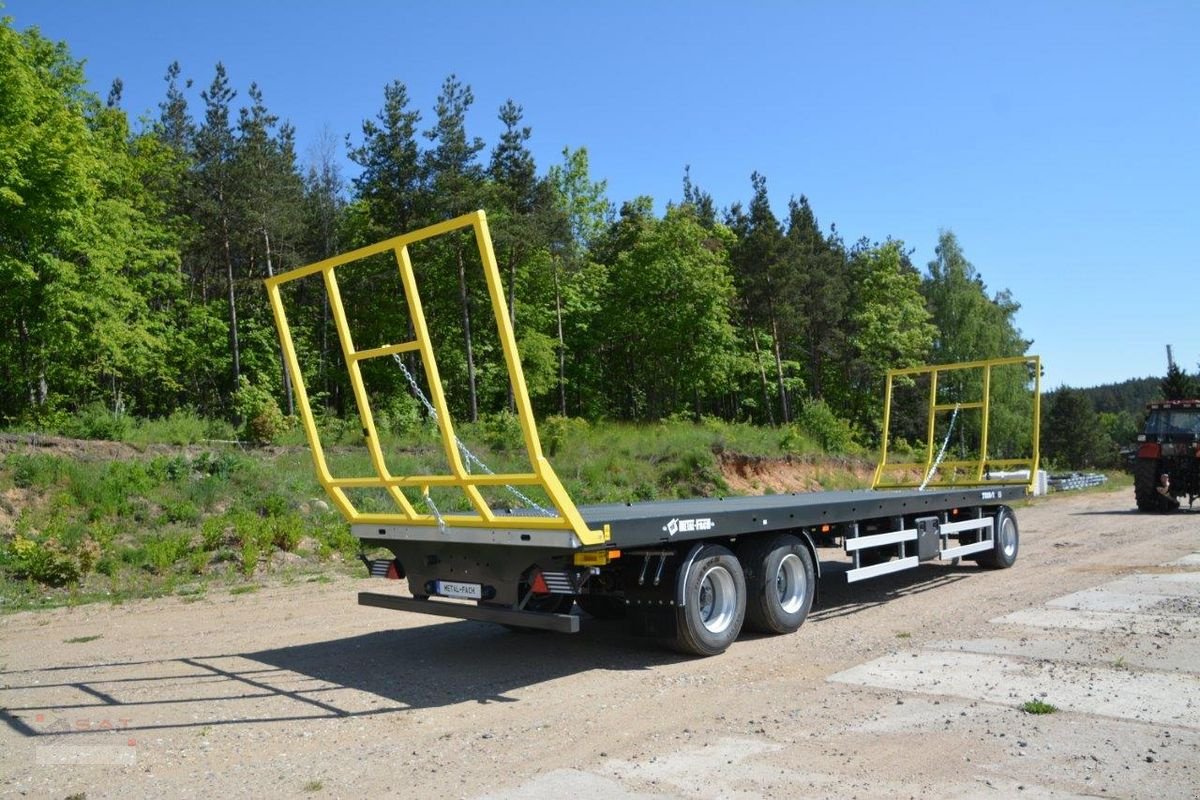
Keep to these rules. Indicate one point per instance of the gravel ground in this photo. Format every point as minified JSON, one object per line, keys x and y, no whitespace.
{"x":909,"y":685}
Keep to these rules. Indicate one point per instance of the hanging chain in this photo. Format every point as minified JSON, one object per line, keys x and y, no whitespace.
{"x":468,"y":457}
{"x":941,"y":453}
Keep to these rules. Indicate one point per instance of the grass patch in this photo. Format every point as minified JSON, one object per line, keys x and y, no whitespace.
{"x":1038,"y":707}
{"x":82,"y":639}
{"x":186,"y":510}
{"x":249,"y":588}
{"x":314,"y":786}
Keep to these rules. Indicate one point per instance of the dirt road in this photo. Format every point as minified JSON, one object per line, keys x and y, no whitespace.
{"x":908,"y":686}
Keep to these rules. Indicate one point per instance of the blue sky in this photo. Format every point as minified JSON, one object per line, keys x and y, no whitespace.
{"x":1060,"y":141}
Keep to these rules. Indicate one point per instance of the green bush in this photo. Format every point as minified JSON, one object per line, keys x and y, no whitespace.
{"x":401,"y":414}
{"x":183,"y":427}
{"x":118,"y":488}
{"x":693,"y":474}
{"x":249,"y":556}
{"x":161,"y":552}
{"x":182,"y":511}
{"x":45,"y":561}
{"x":502,"y":431}
{"x":557,"y":430}
{"x":262,"y":421}
{"x":286,"y":531}
{"x":37,"y":470}
{"x":96,"y":421}
{"x":219,"y":465}
{"x":835,"y":435}
{"x":212,"y":532}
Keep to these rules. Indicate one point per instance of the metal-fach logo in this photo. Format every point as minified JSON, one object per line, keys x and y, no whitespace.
{"x":677,"y":525}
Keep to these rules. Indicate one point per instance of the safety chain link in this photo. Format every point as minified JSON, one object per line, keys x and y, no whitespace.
{"x":937,"y":462}
{"x":468,"y":457}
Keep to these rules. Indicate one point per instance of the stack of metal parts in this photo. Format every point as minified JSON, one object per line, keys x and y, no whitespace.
{"x":1076,"y":480}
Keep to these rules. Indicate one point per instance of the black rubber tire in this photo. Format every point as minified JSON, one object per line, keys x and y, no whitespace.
{"x":602,"y":606}
{"x":776,"y":567}
{"x":1006,"y":538}
{"x":714,"y":595}
{"x":1145,"y":487}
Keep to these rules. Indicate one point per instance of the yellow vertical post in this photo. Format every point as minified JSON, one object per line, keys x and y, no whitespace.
{"x":360,"y":392}
{"x":987,"y":410}
{"x":306,"y":415}
{"x":1037,"y":422}
{"x":887,"y":420}
{"x":932,"y":433}
{"x":416,"y":313}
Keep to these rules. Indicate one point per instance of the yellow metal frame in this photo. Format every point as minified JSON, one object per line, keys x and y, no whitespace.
{"x":566,"y":517}
{"x":949,"y":471}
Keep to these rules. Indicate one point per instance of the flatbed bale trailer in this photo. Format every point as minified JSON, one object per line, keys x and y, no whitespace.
{"x":691,"y":573}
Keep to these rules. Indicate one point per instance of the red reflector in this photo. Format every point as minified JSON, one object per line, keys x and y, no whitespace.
{"x":1149,"y":450}
{"x":392,"y":573}
{"x":539,"y":584}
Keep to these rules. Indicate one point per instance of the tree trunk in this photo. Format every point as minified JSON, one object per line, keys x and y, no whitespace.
{"x":762,"y":374}
{"x":512,"y":313}
{"x":233,"y":326}
{"x":287,"y":379}
{"x":466,"y":311}
{"x":562,"y":347}
{"x":783,"y":400}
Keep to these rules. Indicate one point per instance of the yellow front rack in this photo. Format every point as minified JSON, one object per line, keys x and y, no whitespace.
{"x":932,"y":471}
{"x":564,"y":516}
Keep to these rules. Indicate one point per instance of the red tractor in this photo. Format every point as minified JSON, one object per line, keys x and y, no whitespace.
{"x":1167,"y":464}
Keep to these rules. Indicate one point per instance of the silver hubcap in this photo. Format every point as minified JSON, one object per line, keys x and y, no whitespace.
{"x":1008,"y":537}
{"x":718,"y":599}
{"x":792,"y":583}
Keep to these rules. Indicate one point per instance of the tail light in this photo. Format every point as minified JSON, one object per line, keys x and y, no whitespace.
{"x":1149,"y":450}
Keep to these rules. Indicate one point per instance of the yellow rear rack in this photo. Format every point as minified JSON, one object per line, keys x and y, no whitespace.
{"x":564,"y":517}
{"x":934,"y":471}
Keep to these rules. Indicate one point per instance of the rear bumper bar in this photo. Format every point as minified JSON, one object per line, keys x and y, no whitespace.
{"x":561,"y":623}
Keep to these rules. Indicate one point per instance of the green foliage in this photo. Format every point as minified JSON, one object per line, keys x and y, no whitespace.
{"x":817,"y":422}
{"x":1072,"y":436}
{"x":263,"y":422}
{"x":183,"y":426}
{"x":97,"y":421}
{"x":160,"y":553}
{"x":47,"y":561}
{"x":1178,"y":385}
{"x":1038,"y":707}
{"x":670,"y":279}
{"x":38,"y":470}
{"x":502,"y":431}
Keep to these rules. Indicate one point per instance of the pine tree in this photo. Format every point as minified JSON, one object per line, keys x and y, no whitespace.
{"x":1177,"y":384}
{"x":215,"y":202}
{"x":456,"y":182}
{"x":755,"y":261}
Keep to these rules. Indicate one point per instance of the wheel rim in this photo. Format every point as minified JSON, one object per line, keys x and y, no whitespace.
{"x":718,"y":600}
{"x":1008,"y":537}
{"x":791,"y":582}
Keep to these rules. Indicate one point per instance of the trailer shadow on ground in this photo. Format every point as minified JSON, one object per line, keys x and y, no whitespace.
{"x":837,"y":598}
{"x":1133,"y":512}
{"x":382,"y":672}
{"x":386,"y":671}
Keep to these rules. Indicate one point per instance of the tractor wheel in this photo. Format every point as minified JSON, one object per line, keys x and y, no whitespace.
{"x":1145,"y":486}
